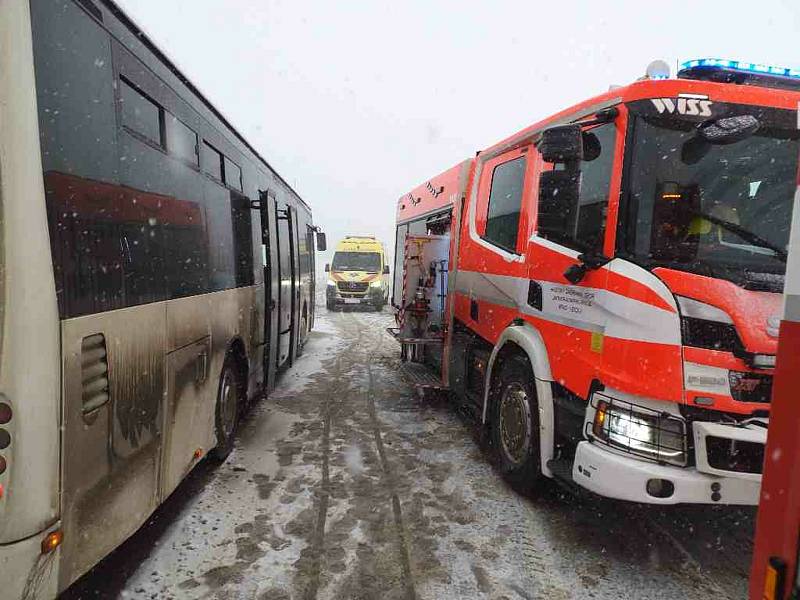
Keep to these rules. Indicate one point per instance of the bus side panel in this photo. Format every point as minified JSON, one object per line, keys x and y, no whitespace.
{"x":111,"y":442}
{"x":188,"y":415}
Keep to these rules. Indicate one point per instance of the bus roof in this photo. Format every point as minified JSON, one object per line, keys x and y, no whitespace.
{"x":162,"y":57}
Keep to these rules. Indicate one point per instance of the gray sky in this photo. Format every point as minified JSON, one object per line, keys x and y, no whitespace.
{"x":355,"y":103}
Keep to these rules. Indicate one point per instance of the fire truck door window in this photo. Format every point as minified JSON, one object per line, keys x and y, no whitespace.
{"x":505,"y":201}
{"x":594,"y":188}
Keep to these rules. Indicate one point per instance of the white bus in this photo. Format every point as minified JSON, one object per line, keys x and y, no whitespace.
{"x":155,"y":275}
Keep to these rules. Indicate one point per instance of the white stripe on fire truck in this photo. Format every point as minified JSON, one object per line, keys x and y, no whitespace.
{"x":585,"y":308}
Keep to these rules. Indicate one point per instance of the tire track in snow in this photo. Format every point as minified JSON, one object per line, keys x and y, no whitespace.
{"x":390,"y":480}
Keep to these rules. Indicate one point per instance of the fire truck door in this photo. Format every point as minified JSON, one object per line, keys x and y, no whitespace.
{"x":568,"y":281}
{"x":570,"y":316}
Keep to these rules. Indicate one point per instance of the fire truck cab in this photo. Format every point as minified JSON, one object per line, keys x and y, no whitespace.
{"x":613,"y":284}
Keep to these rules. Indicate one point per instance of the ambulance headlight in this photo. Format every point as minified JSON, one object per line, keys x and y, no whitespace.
{"x":375,"y":284}
{"x":640,"y":431}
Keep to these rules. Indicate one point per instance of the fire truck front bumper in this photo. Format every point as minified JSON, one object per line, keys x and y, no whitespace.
{"x":608,"y":473}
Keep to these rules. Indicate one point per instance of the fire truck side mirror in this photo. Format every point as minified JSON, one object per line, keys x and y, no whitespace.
{"x":561,"y":144}
{"x":558,"y":204}
{"x":385,"y":269}
{"x":327,"y":268}
{"x":322,"y":243}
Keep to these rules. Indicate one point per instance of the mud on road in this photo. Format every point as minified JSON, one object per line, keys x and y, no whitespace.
{"x":345,"y":484}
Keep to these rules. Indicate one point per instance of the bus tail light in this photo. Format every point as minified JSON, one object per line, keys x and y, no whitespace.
{"x":5,"y":413}
{"x":52,"y":541}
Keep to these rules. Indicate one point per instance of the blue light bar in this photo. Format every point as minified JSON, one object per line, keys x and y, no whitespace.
{"x":743,"y":66}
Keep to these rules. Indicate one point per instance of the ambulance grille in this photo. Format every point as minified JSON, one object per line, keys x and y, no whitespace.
{"x":354,"y":287}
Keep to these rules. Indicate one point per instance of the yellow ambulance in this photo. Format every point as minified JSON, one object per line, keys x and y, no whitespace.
{"x":359,"y":273}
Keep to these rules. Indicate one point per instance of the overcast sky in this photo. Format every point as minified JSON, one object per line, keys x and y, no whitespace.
{"x":355,"y":103}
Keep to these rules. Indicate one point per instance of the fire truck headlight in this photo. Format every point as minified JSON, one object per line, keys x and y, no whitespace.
{"x":375,"y":284}
{"x":331,"y":283}
{"x":657,"y":436}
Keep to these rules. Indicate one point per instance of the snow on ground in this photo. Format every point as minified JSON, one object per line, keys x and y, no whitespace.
{"x":345,"y":484}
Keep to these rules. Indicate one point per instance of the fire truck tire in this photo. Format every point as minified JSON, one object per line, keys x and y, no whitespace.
{"x":514,"y":426}
{"x":229,"y":401}
{"x":331,"y":306}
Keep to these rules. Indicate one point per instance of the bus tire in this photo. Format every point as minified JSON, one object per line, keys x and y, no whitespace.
{"x":515,"y":423}
{"x":229,"y":397}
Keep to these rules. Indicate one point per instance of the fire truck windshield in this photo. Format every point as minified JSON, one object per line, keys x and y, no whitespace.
{"x":722,"y":212}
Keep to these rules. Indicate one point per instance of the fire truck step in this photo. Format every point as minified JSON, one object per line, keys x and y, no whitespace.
{"x":561,"y":468}
{"x":420,"y":374}
{"x":425,"y":382}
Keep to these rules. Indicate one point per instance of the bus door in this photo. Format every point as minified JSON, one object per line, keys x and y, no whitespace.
{"x":312,"y":275}
{"x":265,"y":205}
{"x":287,"y":283}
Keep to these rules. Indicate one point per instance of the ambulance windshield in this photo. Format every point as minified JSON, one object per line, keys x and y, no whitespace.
{"x":724,"y":212}
{"x":357,"y":261}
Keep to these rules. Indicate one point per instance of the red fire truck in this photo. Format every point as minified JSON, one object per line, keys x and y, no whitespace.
{"x":604,"y":287}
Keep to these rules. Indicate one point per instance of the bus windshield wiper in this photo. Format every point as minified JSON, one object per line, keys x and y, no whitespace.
{"x":745,"y":234}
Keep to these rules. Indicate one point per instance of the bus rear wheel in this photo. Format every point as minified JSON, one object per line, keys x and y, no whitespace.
{"x":229,"y":398}
{"x":515,"y":423}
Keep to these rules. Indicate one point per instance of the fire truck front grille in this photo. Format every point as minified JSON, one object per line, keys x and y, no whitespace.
{"x":352,"y":287}
{"x":735,"y":455}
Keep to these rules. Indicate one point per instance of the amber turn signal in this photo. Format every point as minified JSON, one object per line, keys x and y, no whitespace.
{"x":198,"y":453}
{"x":52,"y":541}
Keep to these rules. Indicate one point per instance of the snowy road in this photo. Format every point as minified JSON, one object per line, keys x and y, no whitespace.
{"x":344,"y":484}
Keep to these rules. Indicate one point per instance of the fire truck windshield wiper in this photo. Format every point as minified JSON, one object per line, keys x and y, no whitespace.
{"x":745,"y":234}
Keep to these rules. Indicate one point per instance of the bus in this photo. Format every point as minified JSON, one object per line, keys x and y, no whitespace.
{"x":156,"y":276}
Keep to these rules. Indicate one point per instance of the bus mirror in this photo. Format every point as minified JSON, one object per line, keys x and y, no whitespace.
{"x":558,"y":203}
{"x":385,"y":269}
{"x":561,"y":144}
{"x":322,"y":244}
{"x":327,"y":268}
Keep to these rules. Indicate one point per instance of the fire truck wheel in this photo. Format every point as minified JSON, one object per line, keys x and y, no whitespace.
{"x":330,"y":305}
{"x":227,"y":412}
{"x":515,"y":423}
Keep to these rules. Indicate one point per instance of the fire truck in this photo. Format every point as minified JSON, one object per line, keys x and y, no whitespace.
{"x":603,"y":288}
